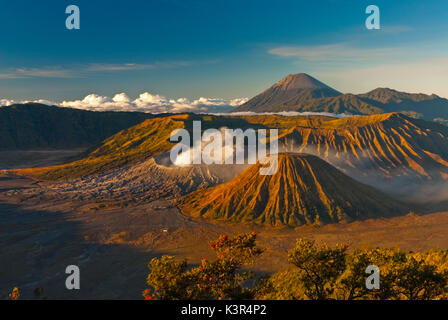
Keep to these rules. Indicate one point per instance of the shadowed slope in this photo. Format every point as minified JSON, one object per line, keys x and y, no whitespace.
{"x":304,"y":190}
{"x":36,"y":126}
{"x":423,"y":105}
{"x":345,"y":103}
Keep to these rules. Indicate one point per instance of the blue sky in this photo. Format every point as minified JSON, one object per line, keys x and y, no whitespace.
{"x":218,"y":48}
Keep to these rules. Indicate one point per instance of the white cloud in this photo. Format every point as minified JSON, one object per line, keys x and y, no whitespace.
{"x":146,"y":102}
{"x":6,"y":102}
{"x":121,"y":98}
{"x":149,"y":103}
{"x":118,"y":67}
{"x":41,"y":101}
{"x":35,"y":73}
{"x":334,"y":52}
{"x":83,"y":70}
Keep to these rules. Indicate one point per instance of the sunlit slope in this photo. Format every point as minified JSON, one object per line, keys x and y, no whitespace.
{"x":387,"y":145}
{"x":376,"y":147}
{"x":304,"y":190}
{"x":129,"y":146}
{"x":134,"y":145}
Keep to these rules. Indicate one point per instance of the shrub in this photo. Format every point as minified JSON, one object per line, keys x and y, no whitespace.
{"x":15,"y":294}
{"x":319,"y":267}
{"x":221,"y":278}
{"x":334,"y":273}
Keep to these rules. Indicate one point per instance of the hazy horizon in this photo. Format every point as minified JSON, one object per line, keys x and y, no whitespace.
{"x":155,"y":103}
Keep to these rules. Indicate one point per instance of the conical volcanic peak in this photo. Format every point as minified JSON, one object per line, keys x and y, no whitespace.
{"x":292,"y":89}
{"x":300,"y":81}
{"x":304,"y":190}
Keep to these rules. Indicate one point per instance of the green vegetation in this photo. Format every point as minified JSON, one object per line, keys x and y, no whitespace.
{"x":212,"y":279}
{"x":129,"y":146}
{"x":322,"y":272}
{"x":316,"y":273}
{"x":15,"y":294}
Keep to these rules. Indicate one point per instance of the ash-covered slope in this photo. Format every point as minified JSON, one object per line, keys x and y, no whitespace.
{"x":391,"y":152}
{"x":378,"y":148}
{"x":304,"y":190}
{"x":145,"y":181}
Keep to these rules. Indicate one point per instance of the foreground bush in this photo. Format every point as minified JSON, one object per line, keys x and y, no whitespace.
{"x":15,"y":294}
{"x":316,"y":273}
{"x":220,"y":278}
{"x":321,"y":272}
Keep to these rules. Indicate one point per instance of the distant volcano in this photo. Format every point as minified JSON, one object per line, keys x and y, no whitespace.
{"x":291,"y":90}
{"x":300,"y":81}
{"x":303,"y":93}
{"x":304,"y":190}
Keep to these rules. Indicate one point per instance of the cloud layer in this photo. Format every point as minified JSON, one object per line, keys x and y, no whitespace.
{"x":150,"y":103}
{"x":146,"y":102}
{"x":334,"y":53}
{"x":83,"y":70}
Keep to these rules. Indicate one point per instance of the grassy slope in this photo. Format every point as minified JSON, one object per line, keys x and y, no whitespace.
{"x":128,"y":146}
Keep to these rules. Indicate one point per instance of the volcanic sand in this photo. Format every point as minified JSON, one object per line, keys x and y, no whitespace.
{"x":112,"y":245}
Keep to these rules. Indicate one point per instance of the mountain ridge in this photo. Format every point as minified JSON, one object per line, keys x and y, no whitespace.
{"x":322,"y":98}
{"x":294,"y":88}
{"x":37,"y":126}
{"x":380,"y":146}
